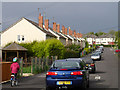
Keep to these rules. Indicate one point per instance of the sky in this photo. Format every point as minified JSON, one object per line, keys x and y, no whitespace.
{"x":83,"y":17}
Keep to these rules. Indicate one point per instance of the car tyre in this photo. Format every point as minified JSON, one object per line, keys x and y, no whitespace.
{"x":49,"y":88}
{"x":84,"y":85}
{"x":88,"y":84}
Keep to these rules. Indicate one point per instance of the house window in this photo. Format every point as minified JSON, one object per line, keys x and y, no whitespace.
{"x":18,"y":37}
{"x":23,"y":38}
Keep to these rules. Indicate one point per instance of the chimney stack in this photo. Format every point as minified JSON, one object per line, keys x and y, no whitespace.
{"x":78,"y":35}
{"x":71,"y":33}
{"x":54,"y":26}
{"x":40,"y":21}
{"x":69,"y":30}
{"x":58,"y":28}
{"x":74,"y":33}
{"x":46,"y":23}
{"x":63,"y":29}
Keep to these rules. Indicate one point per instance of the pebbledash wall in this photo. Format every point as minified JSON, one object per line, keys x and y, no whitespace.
{"x":23,"y":31}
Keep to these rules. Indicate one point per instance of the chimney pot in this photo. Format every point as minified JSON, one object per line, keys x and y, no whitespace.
{"x":54,"y":26}
{"x":63,"y":29}
{"x":58,"y":28}
{"x":40,"y":21}
{"x":46,"y":23}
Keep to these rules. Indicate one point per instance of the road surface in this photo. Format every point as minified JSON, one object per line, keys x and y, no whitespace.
{"x":107,"y":70}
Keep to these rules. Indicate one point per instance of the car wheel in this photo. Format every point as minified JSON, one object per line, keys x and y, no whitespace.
{"x":84,"y":85}
{"x":49,"y":88}
{"x":94,"y":69}
{"x":88,"y":84}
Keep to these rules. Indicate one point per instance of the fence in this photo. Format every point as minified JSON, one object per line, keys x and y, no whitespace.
{"x":35,"y":65}
{"x":5,"y":71}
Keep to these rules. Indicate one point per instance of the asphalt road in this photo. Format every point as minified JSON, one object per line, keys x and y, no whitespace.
{"x":107,"y":70}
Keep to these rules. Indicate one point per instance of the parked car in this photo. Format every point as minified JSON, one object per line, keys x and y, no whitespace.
{"x":96,"y":56}
{"x":67,"y":73}
{"x":100,"y":50}
{"x":98,"y":53}
{"x":91,"y":65}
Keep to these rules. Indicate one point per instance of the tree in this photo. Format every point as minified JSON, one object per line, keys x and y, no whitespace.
{"x":90,"y":33}
{"x":112,"y":32}
{"x":96,"y":34}
{"x":100,"y":33}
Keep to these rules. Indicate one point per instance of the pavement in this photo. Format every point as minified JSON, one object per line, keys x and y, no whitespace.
{"x":106,"y":71}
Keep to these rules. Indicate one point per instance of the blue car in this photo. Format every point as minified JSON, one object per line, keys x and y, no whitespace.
{"x":67,"y":73}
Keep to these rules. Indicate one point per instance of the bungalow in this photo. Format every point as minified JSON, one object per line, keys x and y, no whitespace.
{"x":25,"y":30}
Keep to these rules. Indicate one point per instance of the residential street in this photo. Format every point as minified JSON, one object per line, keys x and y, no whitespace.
{"x":107,"y":69}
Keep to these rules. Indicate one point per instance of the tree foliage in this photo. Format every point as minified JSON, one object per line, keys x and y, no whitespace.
{"x":54,"y":48}
{"x":112,"y":32}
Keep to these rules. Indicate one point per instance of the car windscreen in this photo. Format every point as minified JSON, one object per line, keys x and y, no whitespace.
{"x":65,"y":64}
{"x":96,"y":54}
{"x":89,"y":61}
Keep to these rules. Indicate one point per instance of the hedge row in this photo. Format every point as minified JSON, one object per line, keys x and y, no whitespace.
{"x":51,"y":47}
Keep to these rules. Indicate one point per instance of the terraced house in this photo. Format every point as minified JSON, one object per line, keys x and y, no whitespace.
{"x":25,"y":30}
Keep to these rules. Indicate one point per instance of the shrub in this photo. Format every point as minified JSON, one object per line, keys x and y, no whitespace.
{"x":29,"y":47}
{"x":38,"y":49}
{"x":72,"y":51}
{"x":73,"y":47}
{"x":86,"y":44}
{"x":87,"y":50}
{"x":54,"y":48}
{"x":71,"y":54}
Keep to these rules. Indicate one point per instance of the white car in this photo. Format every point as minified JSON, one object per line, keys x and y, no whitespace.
{"x":96,"y":56}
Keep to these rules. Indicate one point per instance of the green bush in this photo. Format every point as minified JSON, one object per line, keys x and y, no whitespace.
{"x":87,"y":50}
{"x":38,"y":49}
{"x":54,"y":48}
{"x":27,"y":69}
{"x":119,"y":42}
{"x":71,"y":54}
{"x":72,"y":51}
{"x":73,"y":47}
{"x":86,"y":44}
{"x":29,"y":47}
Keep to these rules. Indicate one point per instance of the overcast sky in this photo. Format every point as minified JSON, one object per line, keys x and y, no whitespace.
{"x":81,"y":16}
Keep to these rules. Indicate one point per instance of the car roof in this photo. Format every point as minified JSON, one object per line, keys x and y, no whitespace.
{"x":74,"y":59}
{"x":69,"y":59}
{"x":95,"y":53}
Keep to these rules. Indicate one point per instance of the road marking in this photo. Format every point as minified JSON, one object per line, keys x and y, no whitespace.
{"x":97,"y":77}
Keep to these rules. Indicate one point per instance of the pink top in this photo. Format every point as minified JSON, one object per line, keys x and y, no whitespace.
{"x":14,"y":67}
